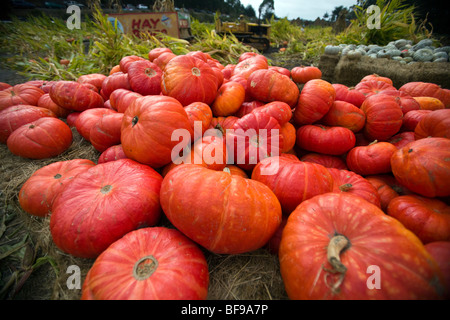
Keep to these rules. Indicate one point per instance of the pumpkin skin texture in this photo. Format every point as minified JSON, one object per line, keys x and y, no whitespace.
{"x":289,"y":134}
{"x":102,"y":204}
{"x":367,"y":237}
{"x":14,"y":117}
{"x":402,"y":139}
{"x":20,"y":94}
{"x":46,"y":102}
{"x":292,"y":181}
{"x":147,"y":128}
{"x":75,"y":96}
{"x":426,"y":89}
{"x":117,"y":80}
{"x":428,"y":218}
{"x":199,"y":111}
{"x":268,"y":85}
{"x":434,"y":124}
{"x":145,"y":77}
{"x":429,"y":103}
{"x":189,"y":79}
{"x":249,"y":65}
{"x":37,"y":194}
{"x":230,"y":97}
{"x":325,"y":160}
{"x":346,"y":181}
{"x":423,"y":167}
{"x":384,"y":190}
{"x":325,"y":139}
{"x":345,"y":115}
{"x":412,"y":118}
{"x":254,"y":137}
{"x":126,"y":62}
{"x":241,"y":216}
{"x":303,"y":74}
{"x":314,"y":102}
{"x":88,"y":118}
{"x":95,"y":79}
{"x":349,"y":94}
{"x":41,"y":139}
{"x":440,"y":251}
{"x":405,"y":101}
{"x":377,"y":77}
{"x":120,"y":99}
{"x":373,"y":87}
{"x":384,"y":117}
{"x":279,"y":110}
{"x":149,"y":264}
{"x":156,"y":52}
{"x":372,"y":159}
{"x":106,"y":131}
{"x":111,"y":154}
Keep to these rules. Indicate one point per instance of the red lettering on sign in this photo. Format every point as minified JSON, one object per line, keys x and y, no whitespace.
{"x":146,"y":24}
{"x":155,"y":22}
{"x":136,"y":24}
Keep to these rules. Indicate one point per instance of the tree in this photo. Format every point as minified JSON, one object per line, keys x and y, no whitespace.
{"x":266,"y":9}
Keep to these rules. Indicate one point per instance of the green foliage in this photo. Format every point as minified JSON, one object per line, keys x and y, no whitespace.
{"x":397,"y":21}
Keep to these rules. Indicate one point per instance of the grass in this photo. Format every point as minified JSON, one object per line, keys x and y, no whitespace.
{"x":98,"y":46}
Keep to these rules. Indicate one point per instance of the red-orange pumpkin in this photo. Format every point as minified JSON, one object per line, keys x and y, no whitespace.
{"x":37,"y":194}
{"x":189,"y":80}
{"x":230,"y":97}
{"x":428,"y":218}
{"x":95,"y":79}
{"x":117,"y":80}
{"x":75,"y":96}
{"x":224,"y":213}
{"x":434,"y":124}
{"x":20,"y":94}
{"x":267,"y":85}
{"x":303,"y":74}
{"x":104,"y":203}
{"x":120,"y":99}
{"x":14,"y":117}
{"x":325,"y":139}
{"x":440,"y":251}
{"x":372,"y":159}
{"x":349,"y":94}
{"x":423,"y":166}
{"x":126,"y":61}
{"x":426,"y":89}
{"x":314,"y":102}
{"x":248,"y":65}
{"x":339,"y":246}
{"x":326,"y":160}
{"x":144,"y":77}
{"x":149,"y":264}
{"x":383,"y":117}
{"x":106,"y":131}
{"x":88,"y":118}
{"x":45,"y":101}
{"x":412,"y":118}
{"x":254,"y":137}
{"x":292,"y":181}
{"x":111,"y":154}
{"x":345,"y":115}
{"x":147,"y":128}
{"x":346,"y":181}
{"x":373,"y":87}
{"x":199,"y":111}
{"x":43,"y":138}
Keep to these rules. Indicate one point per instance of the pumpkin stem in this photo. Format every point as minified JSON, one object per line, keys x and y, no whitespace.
{"x":345,"y":187}
{"x":134,"y":121}
{"x":336,"y":246}
{"x":145,"y":267}
{"x":373,"y":142}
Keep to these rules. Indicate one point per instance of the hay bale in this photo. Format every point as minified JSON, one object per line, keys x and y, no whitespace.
{"x":349,"y":71}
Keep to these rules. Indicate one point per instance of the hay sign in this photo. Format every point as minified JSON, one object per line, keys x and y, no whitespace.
{"x":149,"y":22}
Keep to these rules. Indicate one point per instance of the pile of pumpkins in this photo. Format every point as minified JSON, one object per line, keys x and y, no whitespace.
{"x":349,"y":186}
{"x":402,"y":50}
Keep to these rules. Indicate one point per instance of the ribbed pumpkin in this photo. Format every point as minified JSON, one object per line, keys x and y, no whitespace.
{"x":147,"y":127}
{"x":423,"y":166}
{"x":341,"y":247}
{"x":224,"y":213}
{"x":149,"y":264}
{"x":104,"y":203}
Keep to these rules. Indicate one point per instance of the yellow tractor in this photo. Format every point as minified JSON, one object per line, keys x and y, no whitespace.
{"x":254,"y":34}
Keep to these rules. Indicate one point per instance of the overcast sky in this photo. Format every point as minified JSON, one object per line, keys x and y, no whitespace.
{"x":305,"y":9}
